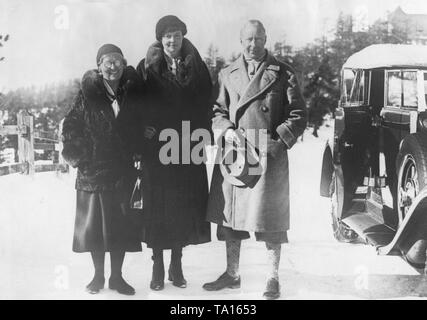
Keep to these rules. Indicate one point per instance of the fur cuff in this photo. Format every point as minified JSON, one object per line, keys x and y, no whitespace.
{"x":74,"y":153}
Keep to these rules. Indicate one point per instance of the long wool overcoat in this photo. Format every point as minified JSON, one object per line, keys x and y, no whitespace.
{"x":271,"y":103}
{"x":175,"y":212}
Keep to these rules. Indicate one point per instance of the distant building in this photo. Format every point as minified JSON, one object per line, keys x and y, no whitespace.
{"x":4,"y":116}
{"x":415,"y":25}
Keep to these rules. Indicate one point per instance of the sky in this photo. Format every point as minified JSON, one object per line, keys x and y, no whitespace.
{"x":57,"y":40}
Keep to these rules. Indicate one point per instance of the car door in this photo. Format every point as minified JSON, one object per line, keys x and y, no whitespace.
{"x":400,"y":104}
{"x":353,"y":129}
{"x":391,"y":116}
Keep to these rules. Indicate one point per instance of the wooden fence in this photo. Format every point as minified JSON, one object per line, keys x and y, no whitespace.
{"x":29,"y":140}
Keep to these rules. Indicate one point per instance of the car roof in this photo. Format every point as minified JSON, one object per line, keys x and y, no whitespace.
{"x":388,"y":55}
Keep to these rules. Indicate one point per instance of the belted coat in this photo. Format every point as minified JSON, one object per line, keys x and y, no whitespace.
{"x":270,"y":103}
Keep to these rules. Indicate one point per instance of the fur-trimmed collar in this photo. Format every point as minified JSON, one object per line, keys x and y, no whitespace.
{"x":93,"y":85}
{"x":155,"y":55}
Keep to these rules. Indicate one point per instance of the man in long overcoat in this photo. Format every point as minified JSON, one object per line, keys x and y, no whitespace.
{"x":257,"y":93}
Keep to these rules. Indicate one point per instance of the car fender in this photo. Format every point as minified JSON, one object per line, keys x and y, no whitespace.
{"x":411,"y":236}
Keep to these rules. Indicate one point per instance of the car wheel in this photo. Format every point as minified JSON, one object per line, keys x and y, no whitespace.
{"x":341,"y":231}
{"x":411,"y":164}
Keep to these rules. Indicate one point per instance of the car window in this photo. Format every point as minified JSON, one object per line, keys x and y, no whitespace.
{"x":360,"y":97}
{"x":355,"y":95}
{"x":409,"y":82}
{"x":394,"y":89}
{"x":349,"y":77}
{"x":402,"y":89}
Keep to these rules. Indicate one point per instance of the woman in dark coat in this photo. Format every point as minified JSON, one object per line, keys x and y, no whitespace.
{"x":97,"y":140}
{"x":178,"y":87}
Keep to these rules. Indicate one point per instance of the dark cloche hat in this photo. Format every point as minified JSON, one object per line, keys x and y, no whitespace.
{"x":106,"y":49}
{"x":169,"y":22}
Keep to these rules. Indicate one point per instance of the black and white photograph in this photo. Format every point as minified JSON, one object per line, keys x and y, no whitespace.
{"x":213,"y":150}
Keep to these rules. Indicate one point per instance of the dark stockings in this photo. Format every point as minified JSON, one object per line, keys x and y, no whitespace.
{"x":98,"y":280}
{"x":98,"y":259}
{"x":117,"y":258}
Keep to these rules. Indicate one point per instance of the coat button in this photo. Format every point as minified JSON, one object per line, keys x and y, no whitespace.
{"x":264,"y":109}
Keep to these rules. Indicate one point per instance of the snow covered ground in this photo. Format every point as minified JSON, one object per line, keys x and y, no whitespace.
{"x":36,"y":261}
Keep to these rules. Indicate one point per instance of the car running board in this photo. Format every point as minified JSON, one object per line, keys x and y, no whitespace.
{"x":367,"y":227}
{"x":410,"y":240}
{"x":366,"y":219}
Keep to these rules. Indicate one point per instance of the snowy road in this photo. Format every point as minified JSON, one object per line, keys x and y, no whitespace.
{"x":36,"y":261}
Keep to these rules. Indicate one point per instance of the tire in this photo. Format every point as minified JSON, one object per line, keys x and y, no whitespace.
{"x":326,"y":173}
{"x":341,"y":232}
{"x":411,"y":166}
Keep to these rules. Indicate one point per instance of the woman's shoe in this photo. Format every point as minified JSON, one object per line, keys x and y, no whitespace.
{"x":157,"y":285}
{"x":177,"y":278}
{"x":95,"y":285}
{"x":272,"y":289}
{"x":121,"y":286}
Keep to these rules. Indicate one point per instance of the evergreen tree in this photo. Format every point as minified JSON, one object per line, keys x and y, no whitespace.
{"x":48,"y":105}
{"x":214,"y":62}
{"x":318,"y":65}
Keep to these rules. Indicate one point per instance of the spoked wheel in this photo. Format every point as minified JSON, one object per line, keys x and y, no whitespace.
{"x":342,"y":232}
{"x":408,"y":185}
{"x":411,"y":164}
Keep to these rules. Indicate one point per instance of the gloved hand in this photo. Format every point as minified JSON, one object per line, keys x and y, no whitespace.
{"x":231,"y":136}
{"x":84,"y":167}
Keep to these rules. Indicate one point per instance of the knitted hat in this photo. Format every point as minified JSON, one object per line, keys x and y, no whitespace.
{"x":169,"y":22}
{"x":106,"y":49}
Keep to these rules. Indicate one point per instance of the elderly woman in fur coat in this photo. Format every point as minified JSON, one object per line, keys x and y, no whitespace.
{"x":97,"y":139}
{"x":178,"y":88}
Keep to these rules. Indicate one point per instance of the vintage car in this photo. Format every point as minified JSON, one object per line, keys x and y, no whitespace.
{"x":375,"y":164}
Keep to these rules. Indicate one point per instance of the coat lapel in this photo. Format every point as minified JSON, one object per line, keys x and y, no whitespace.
{"x":266,"y":75}
{"x":239,"y":76}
